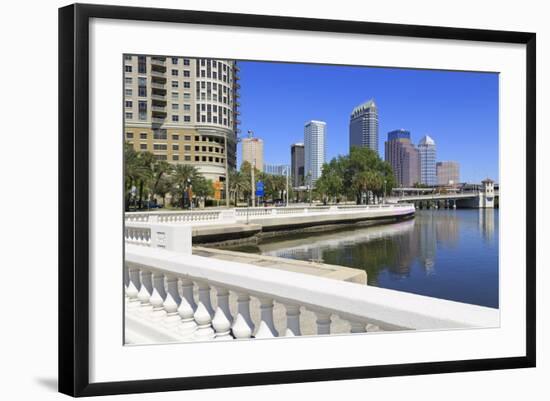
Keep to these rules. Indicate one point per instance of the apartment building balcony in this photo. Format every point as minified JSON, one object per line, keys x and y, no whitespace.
{"x":158,"y":76}
{"x":158,"y":85}
{"x":158,"y":62}
{"x":158,"y":120}
{"x":158,"y":98}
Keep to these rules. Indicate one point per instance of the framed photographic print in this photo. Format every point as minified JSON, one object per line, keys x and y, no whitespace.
{"x":251,"y":199}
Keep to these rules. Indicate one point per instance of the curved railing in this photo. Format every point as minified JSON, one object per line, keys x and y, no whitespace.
{"x":174,"y":296}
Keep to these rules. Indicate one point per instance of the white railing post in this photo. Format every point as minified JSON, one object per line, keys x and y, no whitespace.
{"x":158,"y":296}
{"x":203,"y":314}
{"x":243,"y":310}
{"x":323,"y":322}
{"x":292,"y":321}
{"x":357,"y":327}
{"x":133,"y":287}
{"x":171,"y":302}
{"x":187,"y":308}
{"x":222,"y":317}
{"x":145,"y":291}
{"x":266,"y":327}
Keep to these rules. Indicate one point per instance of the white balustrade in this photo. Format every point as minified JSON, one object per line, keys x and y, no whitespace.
{"x":152,"y":282}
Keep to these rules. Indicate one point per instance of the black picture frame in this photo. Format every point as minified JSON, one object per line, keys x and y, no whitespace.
{"x":74,"y":198}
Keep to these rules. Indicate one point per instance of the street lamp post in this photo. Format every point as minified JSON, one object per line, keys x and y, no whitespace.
{"x":286,"y":204}
{"x":253,"y":184}
{"x":385,"y":182}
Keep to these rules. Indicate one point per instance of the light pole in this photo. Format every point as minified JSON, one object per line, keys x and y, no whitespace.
{"x":385,"y":182}
{"x":286,"y":204}
{"x":253,"y":184}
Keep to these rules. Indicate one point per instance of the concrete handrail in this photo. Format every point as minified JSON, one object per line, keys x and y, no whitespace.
{"x":388,"y":309}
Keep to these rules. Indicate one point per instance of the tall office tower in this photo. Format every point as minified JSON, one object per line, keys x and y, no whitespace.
{"x":448,"y":173}
{"x":314,"y":150}
{"x":277,"y":169}
{"x":426,"y":147}
{"x":403,"y":157}
{"x":297,"y":164}
{"x":183,"y":110}
{"x":253,"y":152}
{"x":363,"y":126}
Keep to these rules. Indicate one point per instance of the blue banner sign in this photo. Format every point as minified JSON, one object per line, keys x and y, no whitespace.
{"x":260,"y":188}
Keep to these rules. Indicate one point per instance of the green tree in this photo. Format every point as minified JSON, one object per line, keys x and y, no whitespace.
{"x":183,"y":177}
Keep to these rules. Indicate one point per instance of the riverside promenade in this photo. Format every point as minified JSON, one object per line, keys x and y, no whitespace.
{"x":232,"y":224}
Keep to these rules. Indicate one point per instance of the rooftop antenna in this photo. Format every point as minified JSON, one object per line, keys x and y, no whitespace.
{"x":250,"y":133}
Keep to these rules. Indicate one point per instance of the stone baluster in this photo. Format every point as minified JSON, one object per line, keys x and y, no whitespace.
{"x":222,"y":317}
{"x":357,"y":327}
{"x":243,"y":321}
{"x":292,"y":321}
{"x":266,"y":328}
{"x":158,"y":296}
{"x":172,"y":302}
{"x":133,"y":287}
{"x":323,"y":322}
{"x":203,"y":314}
{"x":145,"y":291}
{"x":187,"y":308}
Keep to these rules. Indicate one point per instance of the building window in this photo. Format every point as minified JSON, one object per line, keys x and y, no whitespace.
{"x":129,"y":116}
{"x":174,"y":60}
{"x":142,"y":105}
{"x":187,"y":137}
{"x":197,"y":158}
{"x":210,"y":159}
{"x":174,"y":84}
{"x":187,"y":158}
{"x":204,"y":158}
{"x":175,"y":106}
{"x":174,"y":95}
{"x":175,"y":147}
{"x":186,"y":61}
{"x":187,"y":85}
{"x":204,"y":148}
{"x":186,"y":73}
{"x":160,"y":146}
{"x":197,"y":148}
{"x":143,"y":135}
{"x":128,"y":80}
{"x":197,"y":138}
{"x":143,"y":146}
{"x":187,"y":96}
{"x":175,"y":157}
{"x":128,"y":68}
{"x":128,"y":92}
{"x":142,"y":91}
{"x":127,"y":57}
{"x":160,"y":134}
{"x":161,"y":157}
{"x":174,"y":73}
{"x":187,"y":119}
{"x":186,"y":107}
{"x":128,"y":103}
{"x":129,"y":135}
{"x":175,"y":137}
{"x":175,"y":118}
{"x":187,"y":148}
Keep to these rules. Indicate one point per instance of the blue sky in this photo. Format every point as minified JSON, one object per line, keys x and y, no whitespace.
{"x":459,"y":110}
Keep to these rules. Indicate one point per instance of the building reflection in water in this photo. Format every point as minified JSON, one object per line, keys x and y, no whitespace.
{"x":487,"y":224}
{"x":393,"y":247}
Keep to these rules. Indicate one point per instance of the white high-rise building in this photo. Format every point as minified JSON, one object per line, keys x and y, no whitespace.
{"x":428,"y":173}
{"x":314,"y":150}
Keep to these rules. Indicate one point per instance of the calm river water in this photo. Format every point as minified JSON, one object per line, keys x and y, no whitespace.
{"x":450,"y":254}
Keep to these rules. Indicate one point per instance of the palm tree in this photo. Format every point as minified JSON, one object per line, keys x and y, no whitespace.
{"x":182,"y":177}
{"x":136,"y":171}
{"x":159,"y":171}
{"x":238,"y":184}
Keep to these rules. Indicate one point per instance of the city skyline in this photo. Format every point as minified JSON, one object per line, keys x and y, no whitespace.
{"x":442,"y":104}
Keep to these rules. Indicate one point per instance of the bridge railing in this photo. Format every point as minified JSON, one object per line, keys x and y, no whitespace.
{"x":238,"y":214}
{"x":175,"y":296}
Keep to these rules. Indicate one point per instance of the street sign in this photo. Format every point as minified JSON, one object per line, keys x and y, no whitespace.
{"x":260,"y":188}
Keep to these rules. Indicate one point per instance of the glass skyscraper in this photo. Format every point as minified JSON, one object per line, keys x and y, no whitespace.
{"x":363,"y":126}
{"x":427,"y":149}
{"x":314,"y":149}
